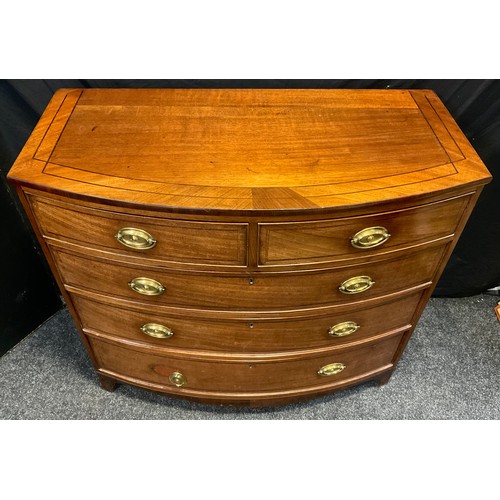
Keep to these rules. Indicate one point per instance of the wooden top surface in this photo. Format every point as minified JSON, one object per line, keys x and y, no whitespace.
{"x":246,"y":150}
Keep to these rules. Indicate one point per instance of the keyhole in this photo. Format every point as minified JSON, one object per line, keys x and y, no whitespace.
{"x":250,"y":280}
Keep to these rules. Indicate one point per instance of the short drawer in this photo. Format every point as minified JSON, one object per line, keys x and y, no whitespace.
{"x":187,"y":242}
{"x":185,"y":331}
{"x":244,"y":292}
{"x":218,"y":375}
{"x":298,"y":243}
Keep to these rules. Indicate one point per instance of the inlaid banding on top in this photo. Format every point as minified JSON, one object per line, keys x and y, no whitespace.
{"x":243,"y":150}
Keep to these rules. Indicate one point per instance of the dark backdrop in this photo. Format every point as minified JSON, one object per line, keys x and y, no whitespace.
{"x":28,"y":294}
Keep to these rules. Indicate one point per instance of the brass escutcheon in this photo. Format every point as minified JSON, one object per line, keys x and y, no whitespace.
{"x":134,"y":238}
{"x":343,"y":329}
{"x":370,"y":237}
{"x":146,"y":286}
{"x":157,"y":331}
{"x":178,"y":379}
{"x":357,"y":284}
{"x":331,"y":369}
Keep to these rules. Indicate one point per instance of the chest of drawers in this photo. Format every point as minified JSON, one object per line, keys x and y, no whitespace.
{"x":246,"y":246}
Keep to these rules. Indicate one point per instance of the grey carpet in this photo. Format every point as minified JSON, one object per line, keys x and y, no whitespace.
{"x":450,"y":370}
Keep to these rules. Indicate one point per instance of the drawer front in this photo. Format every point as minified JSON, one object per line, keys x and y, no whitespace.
{"x":171,"y":240}
{"x":261,"y":292}
{"x":327,"y":241}
{"x":188,"y":332}
{"x":240,"y":377}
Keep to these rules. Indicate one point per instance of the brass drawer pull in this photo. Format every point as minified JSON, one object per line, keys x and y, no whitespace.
{"x":357,"y":284}
{"x":332,"y":369}
{"x":146,"y":286}
{"x":178,"y":379}
{"x":343,"y":329}
{"x":370,"y":237}
{"x":137,"y":239}
{"x":157,"y":331}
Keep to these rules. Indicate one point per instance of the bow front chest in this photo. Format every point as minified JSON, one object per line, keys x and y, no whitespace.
{"x":246,"y":246}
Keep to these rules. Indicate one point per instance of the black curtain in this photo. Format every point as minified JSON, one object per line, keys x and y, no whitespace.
{"x":473,"y":267}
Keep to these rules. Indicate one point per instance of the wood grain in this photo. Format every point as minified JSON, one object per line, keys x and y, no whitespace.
{"x":253,"y":198}
{"x":238,"y":378}
{"x":243,"y":150}
{"x":329,"y":241}
{"x":240,"y":337}
{"x":178,"y":241}
{"x":243,"y":292}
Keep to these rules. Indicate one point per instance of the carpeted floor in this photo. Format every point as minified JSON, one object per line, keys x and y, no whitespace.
{"x":450,"y":370}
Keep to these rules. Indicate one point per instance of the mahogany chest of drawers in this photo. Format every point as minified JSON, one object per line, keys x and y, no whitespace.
{"x":246,"y":246}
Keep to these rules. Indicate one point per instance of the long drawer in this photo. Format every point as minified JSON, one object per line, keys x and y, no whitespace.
{"x":199,"y":243}
{"x":186,"y":331}
{"x":184,"y":375}
{"x":243,"y":292}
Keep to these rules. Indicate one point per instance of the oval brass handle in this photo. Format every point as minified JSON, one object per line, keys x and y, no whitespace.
{"x":343,"y":329}
{"x":146,"y":286}
{"x":137,"y":239}
{"x":370,"y":237}
{"x":357,"y":284}
{"x":178,"y":379}
{"x":331,"y":369}
{"x":157,"y":331}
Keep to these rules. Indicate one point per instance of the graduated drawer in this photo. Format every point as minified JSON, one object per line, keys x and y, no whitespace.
{"x":289,"y":243}
{"x":218,"y":376}
{"x":243,"y":292}
{"x":200,"y":243}
{"x":140,"y":326}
